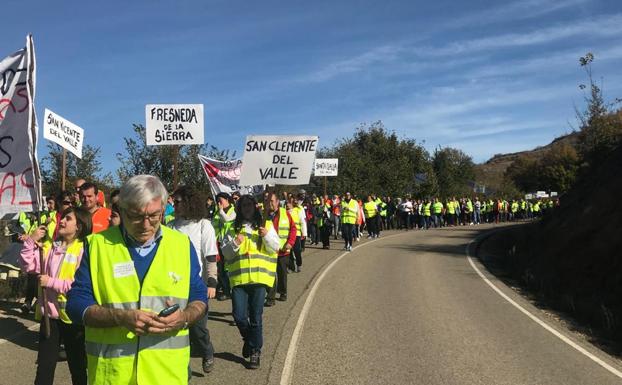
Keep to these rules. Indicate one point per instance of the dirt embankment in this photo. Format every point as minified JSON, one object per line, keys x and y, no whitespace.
{"x":571,"y":261}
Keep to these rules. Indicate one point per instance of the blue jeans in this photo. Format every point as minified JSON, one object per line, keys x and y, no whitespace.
{"x":336,"y":227}
{"x":247,"y":302}
{"x":437,"y":220}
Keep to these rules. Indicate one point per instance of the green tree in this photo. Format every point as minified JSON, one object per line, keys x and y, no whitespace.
{"x":376,"y":161}
{"x":88,"y":168}
{"x":523,"y":173}
{"x":600,"y":124}
{"x":555,"y":170}
{"x":558,"y":168}
{"x":138,"y":158}
{"x":455,"y":171}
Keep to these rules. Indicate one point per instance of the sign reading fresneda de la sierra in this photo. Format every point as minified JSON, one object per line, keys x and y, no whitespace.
{"x":167,"y":124}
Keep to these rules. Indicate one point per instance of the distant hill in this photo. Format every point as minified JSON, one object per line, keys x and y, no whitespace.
{"x":491,"y":172}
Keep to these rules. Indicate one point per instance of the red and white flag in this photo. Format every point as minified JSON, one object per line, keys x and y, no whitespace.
{"x":20,"y":178}
{"x":224,"y":176}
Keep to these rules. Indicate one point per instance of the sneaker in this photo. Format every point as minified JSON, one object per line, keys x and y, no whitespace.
{"x":25,"y":309}
{"x":62,"y":354}
{"x":283,"y":297}
{"x":349,"y":248}
{"x":298,"y":269}
{"x":208,"y":364}
{"x":269,"y":302}
{"x":246,"y":350}
{"x":254,"y":361}
{"x":223,"y":297}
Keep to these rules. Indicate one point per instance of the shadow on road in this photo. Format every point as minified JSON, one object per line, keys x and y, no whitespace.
{"x":231,"y":357}
{"x":220,"y":317}
{"x":451,"y":250}
{"x":197,"y":374}
{"x":15,"y":332}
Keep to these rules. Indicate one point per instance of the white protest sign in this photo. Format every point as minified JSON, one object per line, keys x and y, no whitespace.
{"x":420,"y":178}
{"x":62,"y":132}
{"x":224,"y":176}
{"x":326,"y":167}
{"x":20,"y":181}
{"x":174,"y":124}
{"x":286,"y":160}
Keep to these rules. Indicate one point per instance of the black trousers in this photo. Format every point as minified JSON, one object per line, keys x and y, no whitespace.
{"x":73,"y":338}
{"x":314,"y":233}
{"x":200,"y":341}
{"x":371,"y":226}
{"x":223,"y":277}
{"x":325,"y":232}
{"x":32,"y":285}
{"x":296,"y":254}
{"x":346,"y":233}
{"x":280,"y":281}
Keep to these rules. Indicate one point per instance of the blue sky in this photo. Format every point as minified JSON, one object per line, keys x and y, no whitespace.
{"x":483,"y":76}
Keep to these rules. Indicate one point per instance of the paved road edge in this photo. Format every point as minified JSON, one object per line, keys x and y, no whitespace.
{"x":505,"y":292}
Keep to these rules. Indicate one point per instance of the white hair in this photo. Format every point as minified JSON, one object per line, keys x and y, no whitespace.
{"x":139,"y":190}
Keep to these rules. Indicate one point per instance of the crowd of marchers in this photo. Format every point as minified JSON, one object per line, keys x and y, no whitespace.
{"x":122,"y":280}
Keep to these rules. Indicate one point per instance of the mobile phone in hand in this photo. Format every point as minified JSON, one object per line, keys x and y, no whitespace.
{"x":169,"y":310}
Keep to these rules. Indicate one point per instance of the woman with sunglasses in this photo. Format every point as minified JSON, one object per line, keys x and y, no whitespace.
{"x":60,"y":261}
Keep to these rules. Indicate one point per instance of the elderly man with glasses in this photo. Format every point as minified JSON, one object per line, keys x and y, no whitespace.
{"x":137,"y":290}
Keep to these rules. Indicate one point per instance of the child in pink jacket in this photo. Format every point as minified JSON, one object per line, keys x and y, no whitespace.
{"x":61,"y":260}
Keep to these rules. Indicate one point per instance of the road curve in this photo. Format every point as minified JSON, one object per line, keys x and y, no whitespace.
{"x":411,"y":310}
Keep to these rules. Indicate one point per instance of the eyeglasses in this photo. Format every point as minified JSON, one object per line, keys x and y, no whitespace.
{"x":66,"y":203}
{"x":153,"y":218}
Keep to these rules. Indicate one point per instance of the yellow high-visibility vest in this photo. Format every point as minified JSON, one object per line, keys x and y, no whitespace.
{"x":370,"y":209}
{"x":296,"y":217}
{"x":221,"y":227}
{"x":283,"y":229}
{"x":115,"y":356}
{"x":349,"y":211}
{"x":253,"y":263}
{"x":67,"y":270}
{"x":438,"y":207}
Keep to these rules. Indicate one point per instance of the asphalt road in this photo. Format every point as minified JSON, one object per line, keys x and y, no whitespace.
{"x":407,"y":308}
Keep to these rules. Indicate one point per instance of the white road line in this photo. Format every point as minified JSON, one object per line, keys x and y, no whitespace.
{"x":290,"y":358}
{"x":557,"y":334}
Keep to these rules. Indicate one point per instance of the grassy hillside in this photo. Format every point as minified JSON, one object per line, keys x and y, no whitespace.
{"x":491,"y":172}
